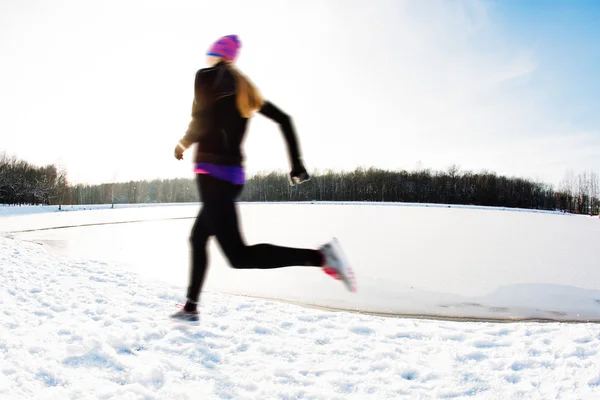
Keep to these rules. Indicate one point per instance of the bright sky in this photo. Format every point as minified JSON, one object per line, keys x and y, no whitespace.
{"x":105,"y":88}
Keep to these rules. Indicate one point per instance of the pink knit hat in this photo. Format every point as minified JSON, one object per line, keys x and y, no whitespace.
{"x":226,"y":47}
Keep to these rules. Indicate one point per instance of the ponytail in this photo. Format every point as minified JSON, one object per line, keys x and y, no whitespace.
{"x":248,"y":98}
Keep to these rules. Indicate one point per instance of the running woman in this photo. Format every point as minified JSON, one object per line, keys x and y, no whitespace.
{"x":224,"y":101}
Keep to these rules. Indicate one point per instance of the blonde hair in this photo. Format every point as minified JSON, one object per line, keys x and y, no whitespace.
{"x":248,"y":97}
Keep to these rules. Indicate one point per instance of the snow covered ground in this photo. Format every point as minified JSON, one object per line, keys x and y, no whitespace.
{"x":408,"y":259}
{"x":8,"y":210}
{"x":73,"y":327}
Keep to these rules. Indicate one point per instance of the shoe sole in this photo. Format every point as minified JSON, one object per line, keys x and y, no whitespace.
{"x":184,"y":322}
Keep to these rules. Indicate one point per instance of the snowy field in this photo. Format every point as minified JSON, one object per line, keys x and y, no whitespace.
{"x":6,"y":210}
{"x":90,"y":321}
{"x":12,"y":210}
{"x":412,"y":260}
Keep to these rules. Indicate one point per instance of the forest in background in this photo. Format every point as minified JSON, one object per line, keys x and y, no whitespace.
{"x":22,"y":183}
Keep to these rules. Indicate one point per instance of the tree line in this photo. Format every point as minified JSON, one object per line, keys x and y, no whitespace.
{"x":575,"y":194}
{"x":22,"y":183}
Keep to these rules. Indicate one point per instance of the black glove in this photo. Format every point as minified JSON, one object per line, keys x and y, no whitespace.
{"x":298,"y":174}
{"x":178,"y":152}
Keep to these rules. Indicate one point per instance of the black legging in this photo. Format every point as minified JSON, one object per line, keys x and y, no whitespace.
{"x":218,"y":217}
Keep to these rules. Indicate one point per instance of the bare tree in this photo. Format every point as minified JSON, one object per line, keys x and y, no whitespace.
{"x":584,"y":192}
{"x":594,"y":186}
{"x":62,"y":187}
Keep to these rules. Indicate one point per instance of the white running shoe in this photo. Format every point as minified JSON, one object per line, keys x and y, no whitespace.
{"x":191,"y":317}
{"x":337,"y":265}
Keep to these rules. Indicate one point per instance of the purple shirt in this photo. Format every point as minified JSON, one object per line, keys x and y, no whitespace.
{"x":230,"y":173}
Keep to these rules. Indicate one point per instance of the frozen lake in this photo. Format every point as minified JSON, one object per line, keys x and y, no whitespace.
{"x":409,"y":260}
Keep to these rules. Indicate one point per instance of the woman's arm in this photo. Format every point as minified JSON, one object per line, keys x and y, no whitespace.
{"x":271,"y":111}
{"x":284,"y":121}
{"x":192,"y":134}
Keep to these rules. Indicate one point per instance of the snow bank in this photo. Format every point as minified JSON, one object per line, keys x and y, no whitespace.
{"x":90,"y":330}
{"x":434,"y":261}
{"x":12,"y":210}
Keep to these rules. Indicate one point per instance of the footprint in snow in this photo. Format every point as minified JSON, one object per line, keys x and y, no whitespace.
{"x":262,"y":330}
{"x":362,"y":330}
{"x":93,"y":359}
{"x":11,"y":325}
{"x":476,"y":356}
{"x":346,"y":387}
{"x":454,"y":338}
{"x":124,"y":351}
{"x":487,"y":344}
{"x":409,"y":335}
{"x":48,"y":379}
{"x":380,"y":366}
{"x":312,"y":318}
{"x":410,"y":374}
{"x":483,"y":344}
{"x":154,"y":336}
{"x":469,"y":377}
{"x":43,"y":314}
{"x":534,"y":352}
{"x":582,"y":353}
{"x":501,"y":332}
{"x":145,"y":304}
{"x":520,"y":366}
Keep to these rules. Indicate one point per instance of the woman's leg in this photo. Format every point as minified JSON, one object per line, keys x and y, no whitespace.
{"x":221,"y":215}
{"x":198,"y":240}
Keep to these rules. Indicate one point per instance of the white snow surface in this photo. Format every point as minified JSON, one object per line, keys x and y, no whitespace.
{"x":415,"y":260}
{"x":76,"y":329}
{"x":10,"y":210}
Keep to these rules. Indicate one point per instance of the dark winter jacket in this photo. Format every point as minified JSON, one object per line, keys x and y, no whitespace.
{"x":217,"y":125}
